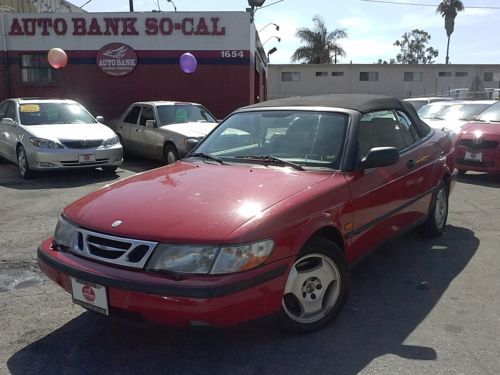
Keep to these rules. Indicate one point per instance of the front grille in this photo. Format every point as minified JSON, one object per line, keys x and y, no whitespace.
{"x":82,"y":143}
{"x":76,"y":163}
{"x":483,"y":145}
{"x":111,"y":249}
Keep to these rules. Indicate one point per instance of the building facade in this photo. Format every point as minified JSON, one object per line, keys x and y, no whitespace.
{"x":399,"y":80}
{"x":118,"y":58}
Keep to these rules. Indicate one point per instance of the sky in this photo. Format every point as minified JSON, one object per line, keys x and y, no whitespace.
{"x":372,"y":28}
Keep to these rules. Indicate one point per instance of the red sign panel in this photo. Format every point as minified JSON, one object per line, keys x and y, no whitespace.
{"x":116,"y":59}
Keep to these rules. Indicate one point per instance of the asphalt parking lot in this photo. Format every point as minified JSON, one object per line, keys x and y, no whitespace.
{"x":416,"y":306}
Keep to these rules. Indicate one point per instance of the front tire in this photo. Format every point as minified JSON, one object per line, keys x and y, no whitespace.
{"x":170,"y":154}
{"x":316,"y":288}
{"x":23,"y":164}
{"x":110,"y":169}
{"x":438,"y":214}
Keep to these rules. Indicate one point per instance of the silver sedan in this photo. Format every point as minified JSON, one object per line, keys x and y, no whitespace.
{"x":163,"y":130}
{"x":47,"y":134}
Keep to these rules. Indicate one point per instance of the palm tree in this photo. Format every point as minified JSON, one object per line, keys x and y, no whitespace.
{"x":320,"y":44}
{"x":449,"y":10}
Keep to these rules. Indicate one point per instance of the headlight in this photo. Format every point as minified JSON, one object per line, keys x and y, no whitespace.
{"x":111,"y":141}
{"x":210,"y":259}
{"x":44,"y":143}
{"x":183,"y":259}
{"x":64,"y":233}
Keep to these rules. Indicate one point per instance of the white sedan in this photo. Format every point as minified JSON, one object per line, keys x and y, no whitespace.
{"x":46,"y":134}
{"x":163,"y":130}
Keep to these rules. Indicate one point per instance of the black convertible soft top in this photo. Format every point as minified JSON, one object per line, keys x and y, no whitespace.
{"x":363,"y":103}
{"x":360,"y":102}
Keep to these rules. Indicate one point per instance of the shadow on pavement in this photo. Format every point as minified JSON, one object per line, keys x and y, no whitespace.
{"x":393,"y":291}
{"x":483,"y":179}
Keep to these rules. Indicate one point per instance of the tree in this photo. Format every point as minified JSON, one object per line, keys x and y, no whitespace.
{"x":321,"y":44}
{"x":449,"y":10}
{"x":414,"y":48}
{"x":391,"y":61}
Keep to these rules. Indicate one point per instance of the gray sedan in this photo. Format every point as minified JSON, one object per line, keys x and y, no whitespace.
{"x":163,"y":130}
{"x":47,"y":134}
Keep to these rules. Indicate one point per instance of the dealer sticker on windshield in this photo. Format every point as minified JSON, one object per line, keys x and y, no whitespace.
{"x":29,"y":108}
{"x":90,"y":295}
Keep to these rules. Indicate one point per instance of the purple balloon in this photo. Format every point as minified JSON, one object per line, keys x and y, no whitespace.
{"x":188,"y":63}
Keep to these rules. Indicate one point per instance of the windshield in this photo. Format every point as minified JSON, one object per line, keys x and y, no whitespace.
{"x":305,"y":138}
{"x":54,"y":113}
{"x":431,"y":110}
{"x":179,"y":113}
{"x":466,"y":111}
{"x":491,"y":114}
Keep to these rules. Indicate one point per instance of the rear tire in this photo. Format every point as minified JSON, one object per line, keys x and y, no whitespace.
{"x":170,"y":154}
{"x":23,"y":164}
{"x":316,"y":289}
{"x":438,"y":214}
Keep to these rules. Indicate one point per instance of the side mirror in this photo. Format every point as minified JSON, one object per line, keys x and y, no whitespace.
{"x":100,"y":119}
{"x":150,"y":123}
{"x":380,"y":157}
{"x":8,"y":121}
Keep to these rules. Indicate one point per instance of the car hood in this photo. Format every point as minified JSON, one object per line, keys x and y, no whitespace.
{"x":190,"y":202}
{"x":191,"y":129}
{"x":484,"y":127}
{"x":454,"y":125}
{"x":71,"y":131}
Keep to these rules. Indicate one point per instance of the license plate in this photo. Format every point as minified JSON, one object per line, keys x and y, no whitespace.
{"x":86,"y":158}
{"x":90,"y":295}
{"x":473,"y":156}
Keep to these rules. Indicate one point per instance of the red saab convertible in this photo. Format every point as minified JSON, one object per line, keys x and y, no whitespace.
{"x":263,"y":217}
{"x":478,"y":144}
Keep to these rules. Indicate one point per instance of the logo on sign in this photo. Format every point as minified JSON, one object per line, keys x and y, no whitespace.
{"x":116,"y":59}
{"x":88,"y":293}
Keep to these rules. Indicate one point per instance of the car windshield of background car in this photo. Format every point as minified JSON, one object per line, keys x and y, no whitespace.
{"x":462,"y":111}
{"x":431,"y":110}
{"x":309,"y":139}
{"x":53,"y":113}
{"x":490,"y":114}
{"x":175,"y":114}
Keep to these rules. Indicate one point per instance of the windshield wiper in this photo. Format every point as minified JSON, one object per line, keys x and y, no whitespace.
{"x":208,"y":157}
{"x":269,"y":159}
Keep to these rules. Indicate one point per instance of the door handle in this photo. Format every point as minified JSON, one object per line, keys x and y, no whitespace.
{"x":138,"y":130}
{"x":411,"y":163}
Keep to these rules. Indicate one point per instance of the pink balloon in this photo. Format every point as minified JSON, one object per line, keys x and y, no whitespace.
{"x":57,"y":58}
{"x":188,"y":63}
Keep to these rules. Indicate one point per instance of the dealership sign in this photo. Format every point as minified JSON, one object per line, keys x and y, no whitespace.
{"x":116,"y":59}
{"x":114,"y":26}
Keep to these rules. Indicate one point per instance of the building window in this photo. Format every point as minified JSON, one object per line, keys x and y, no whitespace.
{"x":321,"y":74}
{"x":36,"y":69}
{"x":337,"y":74}
{"x":445,"y":74}
{"x":290,"y":76}
{"x":461,"y":74}
{"x":488,"y":77}
{"x":368,"y":76}
{"x":414,"y":76}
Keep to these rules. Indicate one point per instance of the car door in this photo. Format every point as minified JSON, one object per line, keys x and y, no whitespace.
{"x":388,"y":199}
{"x":9,"y":133}
{"x":125,"y":126}
{"x":144,"y":137}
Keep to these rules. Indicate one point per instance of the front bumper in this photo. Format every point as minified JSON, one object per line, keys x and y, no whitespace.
{"x":218,"y":301}
{"x":46,"y":159}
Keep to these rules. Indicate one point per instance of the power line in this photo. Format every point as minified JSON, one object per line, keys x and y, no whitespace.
{"x":422,"y":5}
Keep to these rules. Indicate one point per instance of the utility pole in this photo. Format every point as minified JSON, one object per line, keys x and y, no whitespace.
{"x":131,"y":4}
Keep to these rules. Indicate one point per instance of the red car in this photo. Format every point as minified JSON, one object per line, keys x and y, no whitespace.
{"x":263,"y":217}
{"x":478,"y":144}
